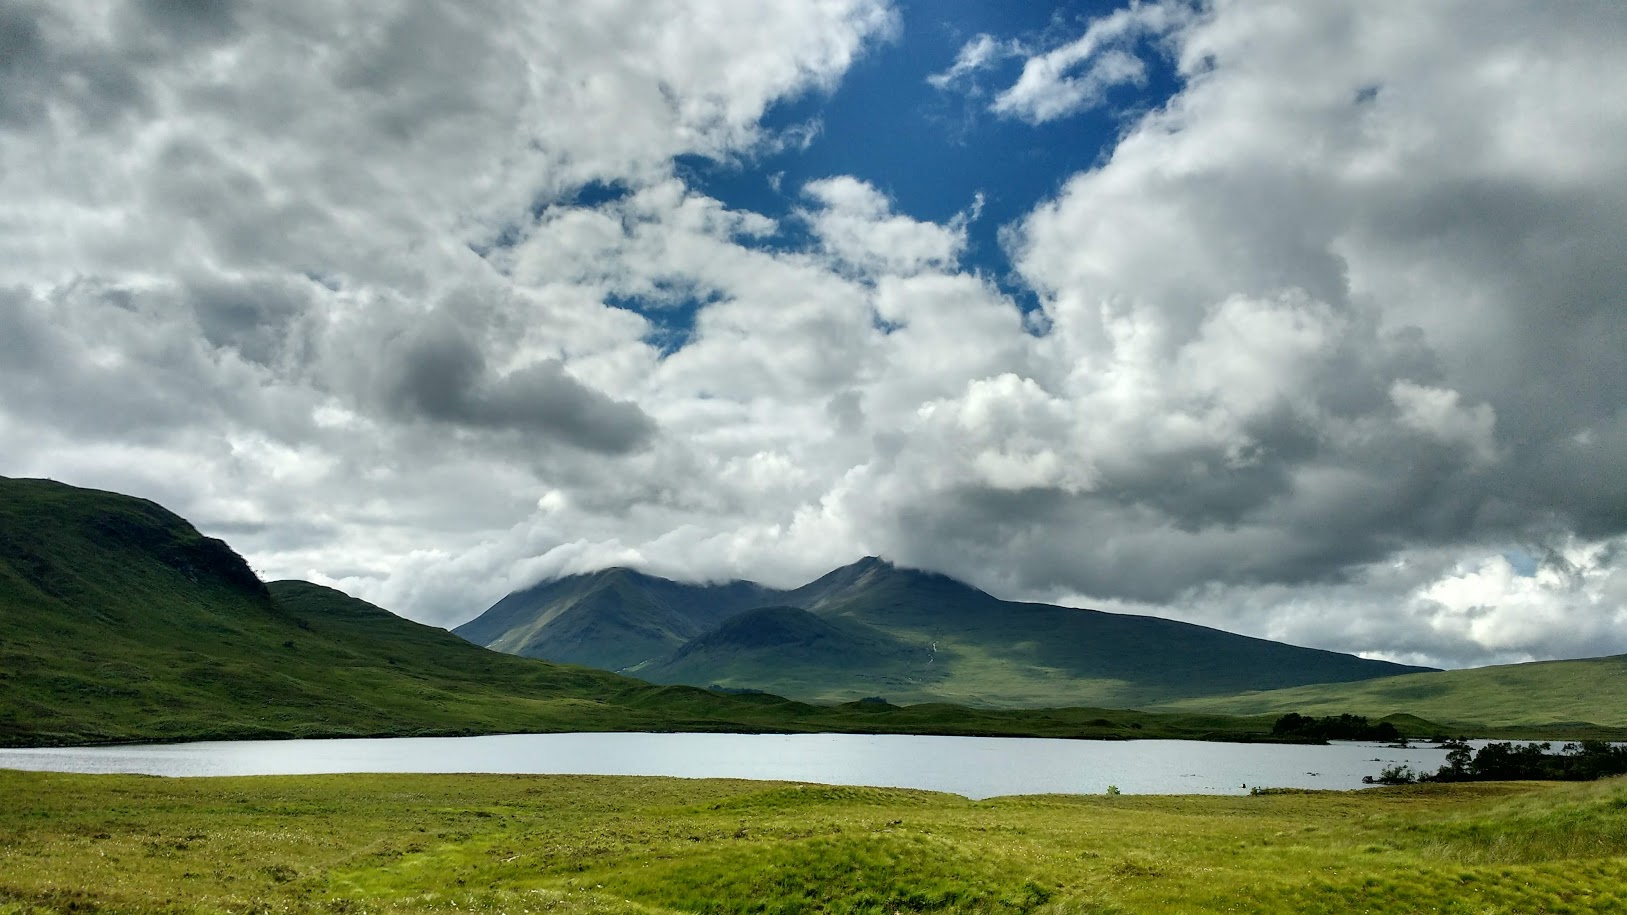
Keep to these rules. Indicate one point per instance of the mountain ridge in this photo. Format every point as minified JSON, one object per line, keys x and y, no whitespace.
{"x":983,"y":651}
{"x":610,"y":619}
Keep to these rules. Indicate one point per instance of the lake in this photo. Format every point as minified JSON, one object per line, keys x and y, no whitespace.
{"x":976,"y":767}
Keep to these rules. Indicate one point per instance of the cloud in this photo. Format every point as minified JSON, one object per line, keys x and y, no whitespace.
{"x":1273,"y":383}
{"x":980,"y":53}
{"x":1257,"y":288}
{"x":1436,"y":413}
{"x":238,"y":243}
{"x":855,"y":223}
{"x":438,"y":374}
{"x":1076,"y":76}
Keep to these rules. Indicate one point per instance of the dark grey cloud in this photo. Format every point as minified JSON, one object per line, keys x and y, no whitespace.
{"x":191,"y":20}
{"x":46,"y":65}
{"x":55,"y":358}
{"x":439,"y":374}
{"x":257,"y":318}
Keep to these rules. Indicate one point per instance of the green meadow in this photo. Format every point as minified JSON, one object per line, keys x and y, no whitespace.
{"x":567,"y":844}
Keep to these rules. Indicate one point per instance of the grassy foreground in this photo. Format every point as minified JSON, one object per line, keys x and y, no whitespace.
{"x":404,"y":843}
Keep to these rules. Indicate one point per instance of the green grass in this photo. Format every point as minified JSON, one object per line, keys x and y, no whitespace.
{"x":1558,"y":697}
{"x":409,"y":843}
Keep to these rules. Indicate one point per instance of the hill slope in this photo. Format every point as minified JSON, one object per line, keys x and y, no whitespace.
{"x":931,"y":639}
{"x":1593,"y":690}
{"x":796,"y":651}
{"x":119,"y":621}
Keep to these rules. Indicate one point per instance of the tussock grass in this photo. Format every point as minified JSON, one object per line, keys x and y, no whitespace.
{"x":412,"y":843}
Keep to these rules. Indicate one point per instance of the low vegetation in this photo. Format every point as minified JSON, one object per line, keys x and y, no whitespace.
{"x":411,"y":843}
{"x":1342,"y":727}
{"x":1575,"y":762}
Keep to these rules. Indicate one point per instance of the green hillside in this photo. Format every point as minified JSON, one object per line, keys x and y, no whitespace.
{"x":1590,"y":691}
{"x":797,"y":651}
{"x":912,"y":637}
{"x":120,"y":622}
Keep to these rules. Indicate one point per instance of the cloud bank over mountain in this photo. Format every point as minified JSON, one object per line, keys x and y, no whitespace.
{"x":428,"y":303}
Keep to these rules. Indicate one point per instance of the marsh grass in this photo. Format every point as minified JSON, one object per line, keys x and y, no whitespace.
{"x":406,"y":843}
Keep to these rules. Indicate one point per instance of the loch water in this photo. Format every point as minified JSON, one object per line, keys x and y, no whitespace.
{"x":976,"y":767}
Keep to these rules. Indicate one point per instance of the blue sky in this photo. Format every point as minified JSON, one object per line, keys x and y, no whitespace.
{"x":934,"y":151}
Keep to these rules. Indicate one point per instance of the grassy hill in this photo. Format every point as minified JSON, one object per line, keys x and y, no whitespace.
{"x":120,"y":622}
{"x":910,"y":636}
{"x":1545,"y":693}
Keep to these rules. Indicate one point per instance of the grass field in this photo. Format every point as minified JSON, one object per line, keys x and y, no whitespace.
{"x":370,"y":843}
{"x":1537,"y":695}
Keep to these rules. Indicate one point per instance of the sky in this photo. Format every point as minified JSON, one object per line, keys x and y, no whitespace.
{"x":1300,"y":320}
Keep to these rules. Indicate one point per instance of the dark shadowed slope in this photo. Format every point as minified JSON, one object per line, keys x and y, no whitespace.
{"x":796,"y":650}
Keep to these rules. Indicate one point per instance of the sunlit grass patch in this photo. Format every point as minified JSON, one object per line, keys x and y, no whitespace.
{"x":1577,"y":821}
{"x":881,"y":872}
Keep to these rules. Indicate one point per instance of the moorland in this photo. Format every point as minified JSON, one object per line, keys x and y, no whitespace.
{"x":566,"y":844}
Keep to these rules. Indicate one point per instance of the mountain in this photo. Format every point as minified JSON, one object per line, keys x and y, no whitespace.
{"x":1590,"y":691}
{"x":119,"y":621}
{"x":610,"y":619}
{"x":905,"y":635}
